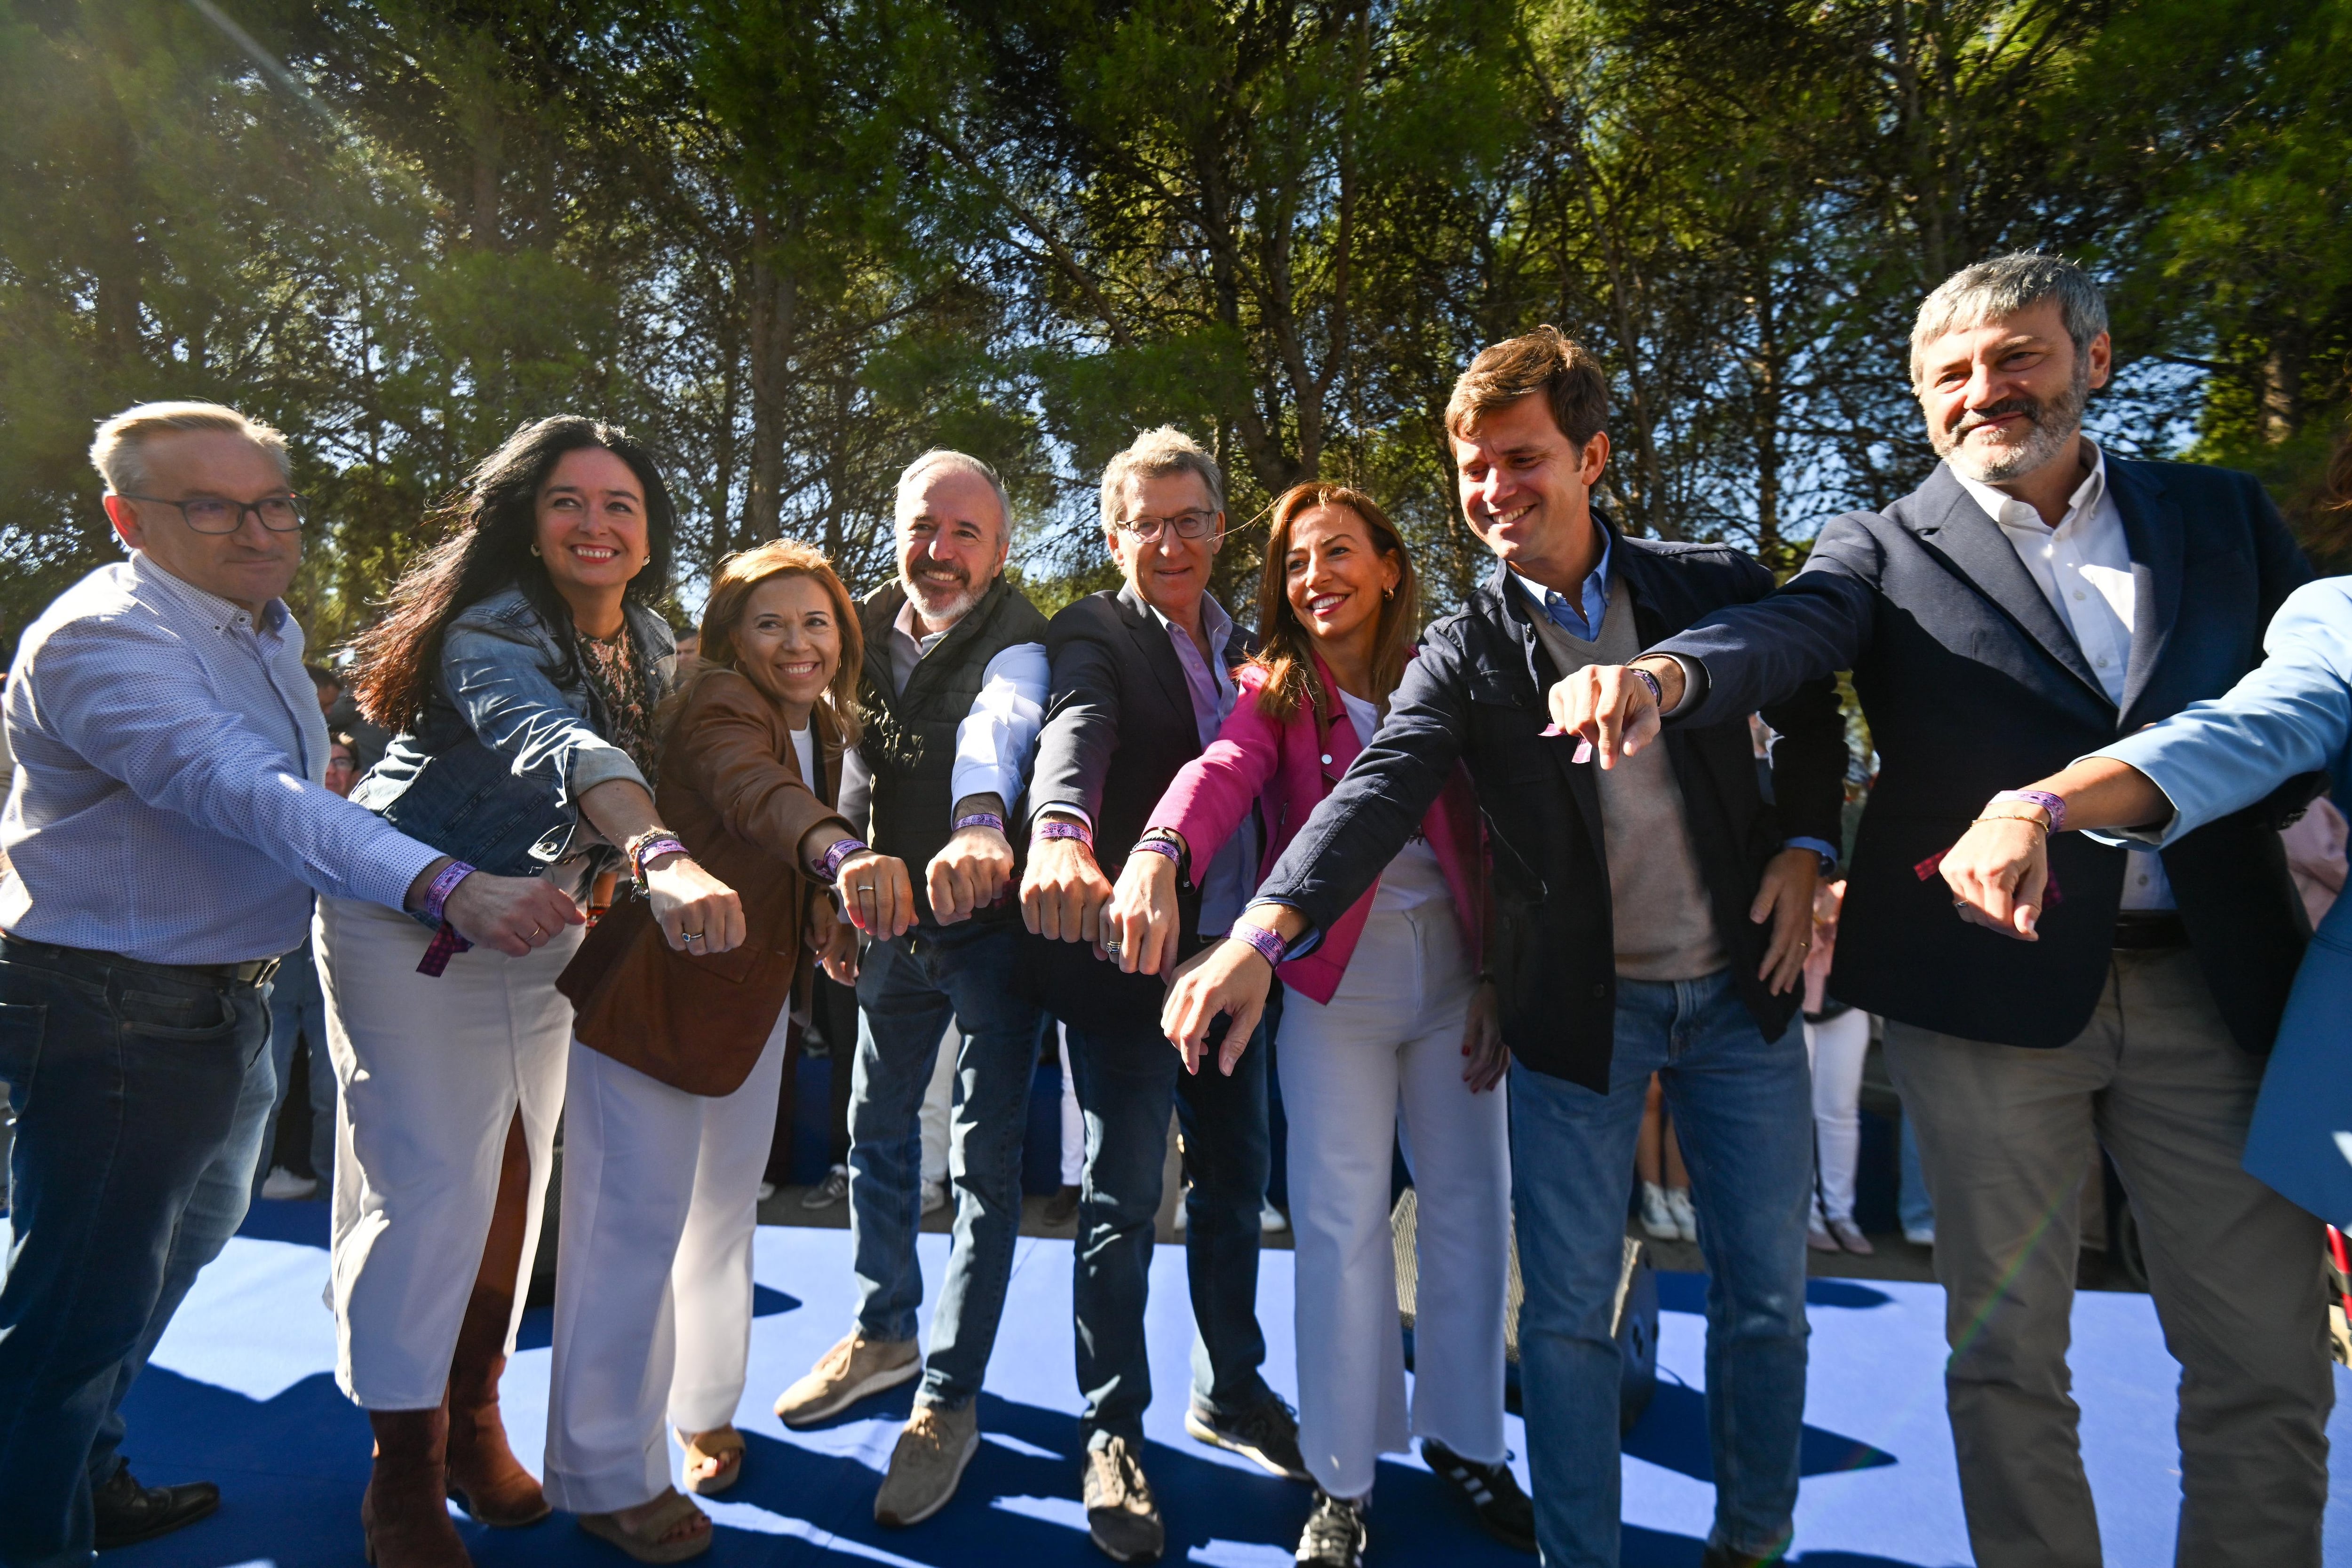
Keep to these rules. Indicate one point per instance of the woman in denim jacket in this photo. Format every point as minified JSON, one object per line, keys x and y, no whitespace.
{"x":521,"y":663}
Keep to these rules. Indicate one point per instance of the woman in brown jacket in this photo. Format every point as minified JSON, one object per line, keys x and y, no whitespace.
{"x":678,"y":1057}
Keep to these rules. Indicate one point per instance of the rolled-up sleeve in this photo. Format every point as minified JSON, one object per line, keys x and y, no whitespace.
{"x":116,"y":691}
{"x":508,"y":700}
{"x":997,"y":740}
{"x":2289,"y":716}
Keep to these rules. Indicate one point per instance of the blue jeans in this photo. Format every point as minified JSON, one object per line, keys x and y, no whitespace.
{"x":907,"y":992}
{"x":297,"y":1009}
{"x":1127,"y":1082}
{"x":139,"y":1095}
{"x":1742,"y":1107}
{"x":1916,"y":1209}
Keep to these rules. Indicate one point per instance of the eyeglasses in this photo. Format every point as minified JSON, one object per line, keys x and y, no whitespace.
{"x":219,"y":515}
{"x":1189,"y":525}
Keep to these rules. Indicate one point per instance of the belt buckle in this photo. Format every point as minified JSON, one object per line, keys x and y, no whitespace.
{"x":264,"y":971}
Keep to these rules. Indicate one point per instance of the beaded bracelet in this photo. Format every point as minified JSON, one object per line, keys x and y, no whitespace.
{"x":2053,"y":804}
{"x":978,"y":820}
{"x":828,"y":865}
{"x":1268,"y":945}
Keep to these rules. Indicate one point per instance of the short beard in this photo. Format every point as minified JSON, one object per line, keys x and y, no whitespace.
{"x":955,"y":609}
{"x":2054,"y":424}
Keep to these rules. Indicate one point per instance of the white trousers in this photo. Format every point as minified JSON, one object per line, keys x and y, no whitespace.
{"x":1389,"y":1041}
{"x":1074,"y":1124}
{"x":1837,"y":1047}
{"x":653,"y":1283}
{"x":432,"y":1071}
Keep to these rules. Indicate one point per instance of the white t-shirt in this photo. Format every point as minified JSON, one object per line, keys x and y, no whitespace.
{"x":1414,"y":877}
{"x":804,"y":749}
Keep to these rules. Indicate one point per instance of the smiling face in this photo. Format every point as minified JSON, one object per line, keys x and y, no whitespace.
{"x":788,"y":642}
{"x":952,"y":542}
{"x":248,"y":568}
{"x":1334,"y":576}
{"x":591,"y":524}
{"x":1527,"y":489}
{"x":2005,"y":397}
{"x":1171,"y":572}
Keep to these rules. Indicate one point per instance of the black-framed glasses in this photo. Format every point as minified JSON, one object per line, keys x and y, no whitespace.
{"x":219,"y":515}
{"x":1189,"y":525}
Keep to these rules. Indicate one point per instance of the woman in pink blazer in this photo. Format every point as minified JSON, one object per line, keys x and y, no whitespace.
{"x":1388,"y":1025}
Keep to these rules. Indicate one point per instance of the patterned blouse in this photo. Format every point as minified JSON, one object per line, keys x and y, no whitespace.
{"x":615,"y":668}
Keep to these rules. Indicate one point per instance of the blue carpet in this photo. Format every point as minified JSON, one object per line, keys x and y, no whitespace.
{"x":242,"y":1392}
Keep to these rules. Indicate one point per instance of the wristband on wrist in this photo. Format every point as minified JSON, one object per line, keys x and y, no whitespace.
{"x":1077,"y":831}
{"x":978,"y":819}
{"x":436,"y":897}
{"x":1657,"y":691}
{"x":649,"y":847}
{"x":2053,"y":804}
{"x":1160,"y":847}
{"x":1268,"y":945}
{"x":828,"y":865}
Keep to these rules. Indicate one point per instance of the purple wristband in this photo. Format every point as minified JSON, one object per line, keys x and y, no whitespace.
{"x":1657,"y":691}
{"x":2041,"y":797}
{"x":1077,"y":831}
{"x":1160,"y":847}
{"x":978,"y":820}
{"x":1269,"y":945}
{"x":646,"y":848}
{"x":436,"y":897}
{"x":828,"y":865}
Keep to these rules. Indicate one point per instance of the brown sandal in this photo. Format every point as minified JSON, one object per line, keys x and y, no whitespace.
{"x":722,"y":1447}
{"x":645,"y":1544}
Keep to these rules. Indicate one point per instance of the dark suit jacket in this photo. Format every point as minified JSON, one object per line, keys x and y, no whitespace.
{"x":1972,"y":684}
{"x":1478,"y":695}
{"x":1118,"y":726}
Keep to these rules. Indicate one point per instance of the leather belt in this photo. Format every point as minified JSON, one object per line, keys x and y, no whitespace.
{"x":252,"y":972}
{"x":2139,"y":931}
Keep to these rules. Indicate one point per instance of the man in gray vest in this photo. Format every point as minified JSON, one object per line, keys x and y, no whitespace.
{"x":954,"y":694}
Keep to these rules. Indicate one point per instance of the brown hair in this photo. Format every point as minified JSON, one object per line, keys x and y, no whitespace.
{"x":1546,"y":360}
{"x":730,"y":591}
{"x":1287,"y":655}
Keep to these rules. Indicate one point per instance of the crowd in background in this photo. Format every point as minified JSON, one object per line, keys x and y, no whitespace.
{"x":1553,"y":897}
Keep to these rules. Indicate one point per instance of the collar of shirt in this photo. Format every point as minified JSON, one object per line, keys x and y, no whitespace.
{"x":1215,"y":625}
{"x":2010,"y":513}
{"x":908,"y":645}
{"x":1207,"y":680}
{"x":150,"y":576}
{"x":1577,"y":620}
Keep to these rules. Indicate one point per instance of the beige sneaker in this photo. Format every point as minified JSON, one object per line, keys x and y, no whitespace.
{"x":1120,"y":1515}
{"x":847,"y":1373}
{"x":933,"y":1449}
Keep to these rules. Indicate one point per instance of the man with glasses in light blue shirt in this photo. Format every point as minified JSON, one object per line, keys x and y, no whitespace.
{"x":166,"y":829}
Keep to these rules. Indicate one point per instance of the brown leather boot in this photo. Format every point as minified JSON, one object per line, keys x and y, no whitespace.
{"x":405,"y":1514}
{"x":484,"y":1477}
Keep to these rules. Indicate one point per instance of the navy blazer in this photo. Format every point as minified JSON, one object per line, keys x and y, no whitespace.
{"x":1971,"y":684}
{"x":1478,"y":695}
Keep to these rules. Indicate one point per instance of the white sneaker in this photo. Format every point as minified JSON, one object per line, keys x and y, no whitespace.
{"x":1920,"y":1235}
{"x":1656,"y":1217}
{"x":282,"y":1183}
{"x":1272,"y":1220}
{"x":935,"y":1197}
{"x":1678,"y":1204}
{"x":767,"y":1190}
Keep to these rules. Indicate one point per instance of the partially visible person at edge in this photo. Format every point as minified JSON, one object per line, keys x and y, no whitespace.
{"x":678,"y":1058}
{"x":1388,"y":1032}
{"x":1141,"y":685}
{"x":521,"y":662}
{"x":2034,"y":601}
{"x":1837,"y":1043}
{"x":342,"y":707}
{"x":170,"y":826}
{"x":1643,"y":922}
{"x":297,"y":1016}
{"x":952,"y":696}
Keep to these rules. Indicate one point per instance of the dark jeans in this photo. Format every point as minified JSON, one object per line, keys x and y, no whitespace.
{"x":132,"y":1083}
{"x":1126,"y":1084}
{"x":907,"y":990}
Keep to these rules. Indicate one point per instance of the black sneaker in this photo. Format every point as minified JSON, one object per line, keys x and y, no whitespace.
{"x":1335,"y":1536}
{"x":1266,"y":1435}
{"x":129,"y":1513}
{"x":1492,"y":1492}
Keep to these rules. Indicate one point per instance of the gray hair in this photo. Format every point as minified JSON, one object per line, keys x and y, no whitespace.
{"x":911,"y":479}
{"x":1153,"y":454}
{"x":119,"y":453}
{"x":2003,"y":287}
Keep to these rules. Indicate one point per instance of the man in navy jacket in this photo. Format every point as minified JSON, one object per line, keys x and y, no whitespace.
{"x":2034,"y":599}
{"x":1642,"y":924}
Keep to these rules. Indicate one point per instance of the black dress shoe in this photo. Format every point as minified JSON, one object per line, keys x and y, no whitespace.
{"x":1492,"y":1492}
{"x":129,"y":1513}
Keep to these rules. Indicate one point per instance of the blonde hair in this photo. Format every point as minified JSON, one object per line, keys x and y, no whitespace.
{"x":119,"y":453}
{"x":731,"y":590}
{"x":1151,"y":455}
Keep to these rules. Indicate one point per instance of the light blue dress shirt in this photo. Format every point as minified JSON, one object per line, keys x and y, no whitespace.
{"x":169,"y":802}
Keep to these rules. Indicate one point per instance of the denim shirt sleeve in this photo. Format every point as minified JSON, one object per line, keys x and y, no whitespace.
{"x":497,"y":674}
